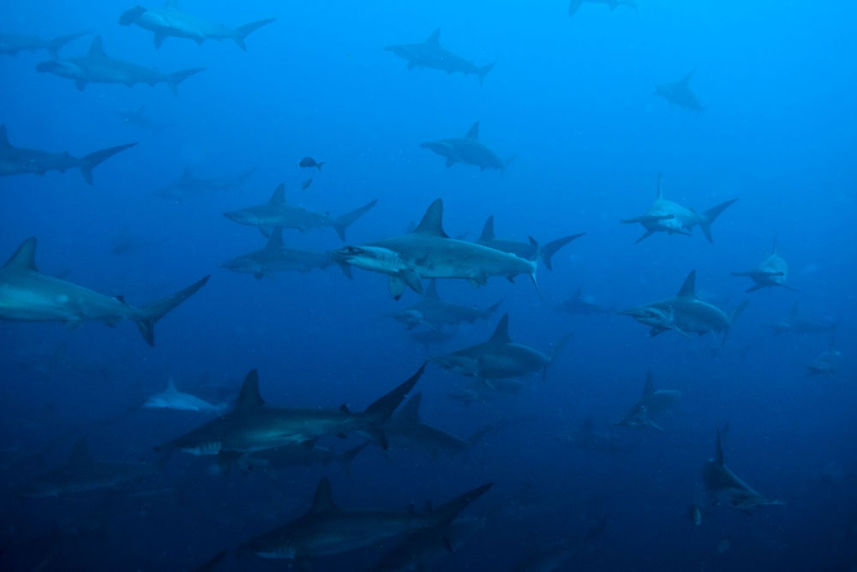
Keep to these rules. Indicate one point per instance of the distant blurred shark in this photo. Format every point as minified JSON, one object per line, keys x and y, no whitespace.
{"x":678,"y":93}
{"x":168,"y":21}
{"x":799,"y":324}
{"x":670,"y":217}
{"x":82,"y":474}
{"x":430,"y":54}
{"x":724,"y":486}
{"x":528,"y":250}
{"x":582,"y":305}
{"x":651,"y":405}
{"x":277,"y":212}
{"x":13,"y":44}
{"x":97,"y":67}
{"x":468,"y":149}
{"x":826,"y":363}
{"x":433,"y":311}
{"x":19,"y":160}
{"x":190,"y":185}
{"x":772,"y":271}
{"x":172,"y":398}
{"x":685,"y":313}
{"x":575,"y":5}
{"x":137,"y":117}
{"x":416,"y":550}
{"x":28,"y":295}
{"x":499,"y":357}
{"x":428,"y":252}
{"x":327,"y":529}
{"x":275,"y":257}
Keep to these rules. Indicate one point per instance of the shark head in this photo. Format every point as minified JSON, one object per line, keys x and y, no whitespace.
{"x":131,"y":15}
{"x":410,"y":317}
{"x":59,"y":67}
{"x":373,"y":258}
{"x":442,"y":148}
{"x":243,"y":264}
{"x":242,"y":217}
{"x":459,"y":364}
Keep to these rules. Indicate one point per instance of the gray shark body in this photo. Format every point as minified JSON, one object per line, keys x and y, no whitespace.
{"x":589,"y":438}
{"x":253,"y":426}
{"x":190,"y":185}
{"x":428,"y":252}
{"x":684,"y":313}
{"x":499,"y":357}
{"x":575,"y":5}
{"x":434,"y":312}
{"x":582,"y":305}
{"x":430,"y":54}
{"x":725,"y":487}
{"x":327,"y":530}
{"x":419,"y":549}
{"x":97,"y":67}
{"x":672,"y":218}
{"x":530,"y":250}
{"x":170,"y":22}
{"x":28,"y":295}
{"x":291,"y":456}
{"x":797,"y":323}
{"x":19,"y":160}
{"x":650,"y":407}
{"x":13,"y":44}
{"x":468,"y":149}
{"x":477,"y":391}
{"x":405,"y":430}
{"x":277,"y":212}
{"x":772,"y":271}
{"x":826,"y":363}
{"x":275,"y":257}
{"x":137,"y":117}
{"x":172,"y":398}
{"x":83,"y":474}
{"x":679,"y":94}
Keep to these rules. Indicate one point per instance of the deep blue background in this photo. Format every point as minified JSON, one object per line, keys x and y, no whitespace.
{"x":572,"y":99}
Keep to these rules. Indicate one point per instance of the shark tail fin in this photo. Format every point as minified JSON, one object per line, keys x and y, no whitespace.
{"x":58,"y":43}
{"x":489,"y":311}
{"x":556,"y":350}
{"x":482,"y":71}
{"x":175,"y":78}
{"x":349,"y":456}
{"x":448,"y":511}
{"x":240,"y":33}
{"x":709,"y":216}
{"x":154,"y":312}
{"x":551,"y":248}
{"x":131,"y":15}
{"x":91,"y":161}
{"x":382,"y":409}
{"x":346,"y":220}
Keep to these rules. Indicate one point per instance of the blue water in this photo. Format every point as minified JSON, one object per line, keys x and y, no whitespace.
{"x":571,"y":98}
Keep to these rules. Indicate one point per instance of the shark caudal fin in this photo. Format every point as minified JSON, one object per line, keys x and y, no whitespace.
{"x":91,"y":161}
{"x":709,"y":216}
{"x":551,"y":248}
{"x":482,"y":71}
{"x":240,"y":33}
{"x":175,"y":78}
{"x":449,"y":511}
{"x":381,"y":410}
{"x":154,"y":312}
{"x":58,"y":43}
{"x":346,"y":220}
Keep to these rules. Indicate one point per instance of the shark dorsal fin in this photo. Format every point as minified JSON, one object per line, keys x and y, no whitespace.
{"x":276,"y":240}
{"x":432,"y":222}
{"x":279,"y":196}
{"x":410,"y":411}
{"x":501,"y":333}
{"x":431,"y":291}
{"x":649,"y":386}
{"x":688,"y":288}
{"x":578,"y":294}
{"x":80,"y":454}
{"x":323,"y":499}
{"x":687,"y":77}
{"x":434,"y":38}
{"x":249,"y":397}
{"x":660,"y":192}
{"x":4,"y":140}
{"x":473,"y":132}
{"x":718,"y":450}
{"x":96,"y":49}
{"x":25,"y":257}
{"x":487,"y":230}
{"x":187,"y":175}
{"x":774,"y":246}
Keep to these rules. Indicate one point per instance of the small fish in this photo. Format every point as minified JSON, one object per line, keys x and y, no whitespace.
{"x":305,"y":185}
{"x":695,"y":514}
{"x":309,"y":162}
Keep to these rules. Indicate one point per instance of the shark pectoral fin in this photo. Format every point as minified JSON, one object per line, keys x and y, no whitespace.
{"x":645,"y":235}
{"x":158,"y":39}
{"x":412,"y":279}
{"x":80,"y":84}
{"x":397,"y":287}
{"x":656,"y":331}
{"x":450,"y":162}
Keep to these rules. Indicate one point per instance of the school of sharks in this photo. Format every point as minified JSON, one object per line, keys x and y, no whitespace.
{"x":300,"y":459}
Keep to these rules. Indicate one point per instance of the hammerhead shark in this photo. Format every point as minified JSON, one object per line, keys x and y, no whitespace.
{"x":430,"y":54}
{"x":772,"y":271}
{"x":468,"y":149}
{"x":678,"y":93}
{"x":529,"y":250}
{"x":651,"y":405}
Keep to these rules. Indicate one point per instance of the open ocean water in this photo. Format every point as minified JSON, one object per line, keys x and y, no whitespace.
{"x":122,"y":451}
